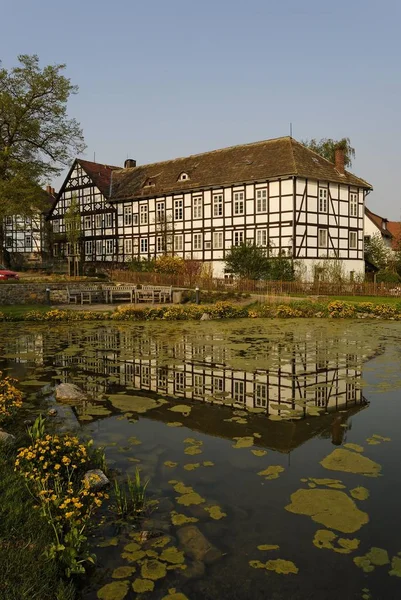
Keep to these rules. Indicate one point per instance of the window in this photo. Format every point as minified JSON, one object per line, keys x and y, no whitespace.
{"x":28,"y":241}
{"x":128,"y":245}
{"x":160,"y":245}
{"x":261,"y":237}
{"x":197,"y":207}
{"x":99,"y":247}
{"x":351,"y":391}
{"x":56,"y":226}
{"x":160,"y":212}
{"x":143,"y":212}
{"x":9,"y":242}
{"x":108,"y":220}
{"x":178,"y":243}
{"x":261,"y":395}
{"x":87,"y":222}
{"x":238,"y":238}
{"x":198,"y":385}
{"x":144,"y":245}
{"x":353,"y":240}
{"x":218,"y":240}
{"x":98,"y":221}
{"x":162,"y":377}
{"x":239,"y":391}
{"x":178,"y":210}
{"x":366,"y":239}
{"x":88,"y":247}
{"x":322,"y":238}
{"x":184,"y":177}
{"x":197,"y":241}
{"x":323,"y":200}
{"x":261,"y":201}
{"x":218,"y":384}
{"x":127,"y":215}
{"x":239,"y":203}
{"x":179,"y":381}
{"x":353,"y":205}
{"x":321,"y":394}
{"x":217,"y":205}
{"x":145,"y":379}
{"x":9,"y":220}
{"x":109,"y":246}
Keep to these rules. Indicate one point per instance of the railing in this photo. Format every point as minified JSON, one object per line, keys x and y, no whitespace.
{"x":272,"y":288}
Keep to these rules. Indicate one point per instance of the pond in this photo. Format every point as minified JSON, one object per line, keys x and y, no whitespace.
{"x":272,"y":446}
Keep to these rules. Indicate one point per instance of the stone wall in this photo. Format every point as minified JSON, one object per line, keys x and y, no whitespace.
{"x":35,"y":293}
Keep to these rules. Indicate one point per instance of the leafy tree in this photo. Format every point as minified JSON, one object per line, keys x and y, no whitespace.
{"x":281,"y":268}
{"x":376,"y":251}
{"x":326,"y":147}
{"x":248,"y":261}
{"x":37,"y":139}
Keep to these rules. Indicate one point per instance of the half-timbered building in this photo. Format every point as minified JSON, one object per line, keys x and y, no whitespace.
{"x":277,"y":194}
{"x":25,"y":236}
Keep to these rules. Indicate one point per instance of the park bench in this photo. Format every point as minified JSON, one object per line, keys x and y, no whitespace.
{"x":120,"y":292}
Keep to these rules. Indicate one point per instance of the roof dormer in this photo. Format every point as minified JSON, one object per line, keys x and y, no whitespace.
{"x":183,"y":177}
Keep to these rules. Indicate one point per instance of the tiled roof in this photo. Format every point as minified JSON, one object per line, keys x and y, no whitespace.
{"x":260,"y":161}
{"x":394,"y":228}
{"x":100,"y":174}
{"x":380,"y":222}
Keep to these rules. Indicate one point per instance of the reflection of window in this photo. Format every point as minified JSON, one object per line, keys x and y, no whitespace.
{"x":145,"y":375}
{"x":198,"y":385}
{"x":56,"y":226}
{"x":28,"y":241}
{"x":99,"y":247}
{"x":352,"y":360}
{"x":9,"y":220}
{"x":87,"y":222}
{"x":179,"y":381}
{"x":351,"y":392}
{"x":261,"y":395}
{"x":98,"y":221}
{"x":218,"y":384}
{"x":109,"y":246}
{"x":239,"y":391}
{"x":88,"y":247}
{"x":108,"y":220}
{"x":162,"y":377}
{"x":321,"y":395}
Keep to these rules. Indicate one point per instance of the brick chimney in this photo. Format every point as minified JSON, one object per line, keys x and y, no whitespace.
{"x":129,"y":163}
{"x":339,"y":159}
{"x":49,"y":189}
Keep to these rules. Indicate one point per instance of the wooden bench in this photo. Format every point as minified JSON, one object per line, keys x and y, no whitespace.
{"x":120,"y":292}
{"x":85,"y":294}
{"x":163,"y":293}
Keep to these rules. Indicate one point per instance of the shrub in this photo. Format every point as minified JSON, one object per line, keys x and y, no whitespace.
{"x":170,"y":265}
{"x":287,"y":312}
{"x":339,"y":309}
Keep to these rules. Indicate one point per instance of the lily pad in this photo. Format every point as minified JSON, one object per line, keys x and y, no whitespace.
{"x":174,"y":424}
{"x":132,"y":547}
{"x":172,"y":555}
{"x":355,"y":447}
{"x":215,"y":512}
{"x":132,"y":557}
{"x":181,"y":408}
{"x":281,"y":566}
{"x":360,"y":493}
{"x":170,"y":464}
{"x":181,"y":488}
{"x":160,"y":542}
{"x":180,"y":519}
{"x":325,"y":539}
{"x":259,"y":452}
{"x":243,"y":442}
{"x":134,"y":441}
{"x":272,"y":472}
{"x":138,"y":404}
{"x":191,"y":466}
{"x":143,"y":585}
{"x":257,"y":564}
{"x":395,"y":566}
{"x":189,"y":499}
{"x":351,"y":462}
{"x":123,"y":572}
{"x":113,"y":591}
{"x":331,"y":508}
{"x":106,"y":543}
{"x":268,"y":547}
{"x":192,"y":450}
{"x":173,"y":595}
{"x":378,"y":556}
{"x":153,"y":569}
{"x":208,"y":463}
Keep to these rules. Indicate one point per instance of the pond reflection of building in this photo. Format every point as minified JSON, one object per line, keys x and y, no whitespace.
{"x":321,"y":374}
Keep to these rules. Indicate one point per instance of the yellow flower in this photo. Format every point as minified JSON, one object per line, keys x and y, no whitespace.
{"x":66,"y":460}
{"x":69,"y":514}
{"x":57,"y":467}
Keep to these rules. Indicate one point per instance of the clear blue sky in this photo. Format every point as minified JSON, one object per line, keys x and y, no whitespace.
{"x":159,"y":79}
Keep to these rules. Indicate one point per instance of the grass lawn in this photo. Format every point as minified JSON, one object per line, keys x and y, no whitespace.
{"x":19,"y":310}
{"x":373,"y":299}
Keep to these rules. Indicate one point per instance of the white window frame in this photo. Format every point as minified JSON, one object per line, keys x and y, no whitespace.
{"x":160,"y":212}
{"x":178,"y":209}
{"x":261,"y":200}
{"x":87,"y":222}
{"x":109,"y":246}
{"x":218,"y":240}
{"x":56,"y":226}
{"x":179,"y":381}
{"x":261,"y":237}
{"x":127,"y":245}
{"x":178,"y":243}
{"x":350,"y":392}
{"x":322,"y":238}
{"x":28,"y":240}
{"x":98,"y":221}
{"x":323,"y":200}
{"x":9,"y":220}
{"x":99,"y":247}
{"x":261,"y":395}
{"x":353,"y":240}
{"x":88,"y":247}
{"x":143,"y":214}
{"x":239,"y":203}
{"x":197,"y":241}
{"x":197,"y":207}
{"x":198,"y":385}
{"x":217,"y":205}
{"x":218,"y":384}
{"x":239,"y":391}
{"x":127,"y":215}
{"x":238,"y":238}
{"x":144,"y":245}
{"x":108,"y":220}
{"x":353,"y":204}
{"x":160,"y":244}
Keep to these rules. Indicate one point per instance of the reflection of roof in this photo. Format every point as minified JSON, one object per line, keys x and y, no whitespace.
{"x":281,"y":157}
{"x":100,"y":174}
{"x":282,"y":436}
{"x":395,"y":229}
{"x":380,"y":222}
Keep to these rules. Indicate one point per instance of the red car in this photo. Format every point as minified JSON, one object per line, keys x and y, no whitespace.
{"x":6,"y":274}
